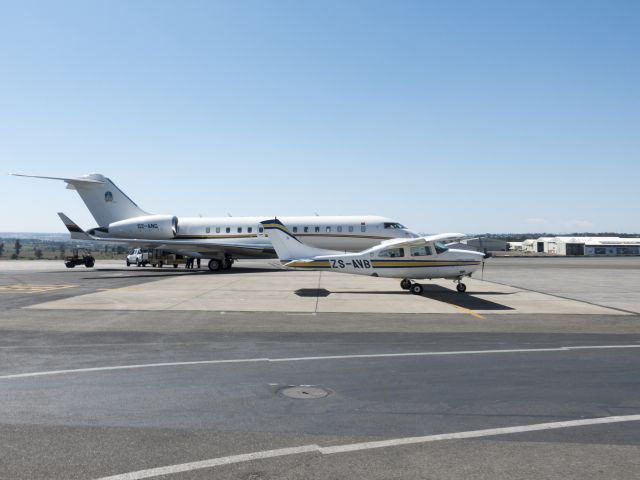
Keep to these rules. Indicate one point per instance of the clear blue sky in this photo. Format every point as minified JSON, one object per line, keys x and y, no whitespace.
{"x":467,"y":116}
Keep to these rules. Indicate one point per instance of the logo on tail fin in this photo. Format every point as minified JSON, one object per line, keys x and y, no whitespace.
{"x":108,"y":197}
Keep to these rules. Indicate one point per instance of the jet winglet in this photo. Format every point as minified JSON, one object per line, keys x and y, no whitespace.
{"x":76,"y":232}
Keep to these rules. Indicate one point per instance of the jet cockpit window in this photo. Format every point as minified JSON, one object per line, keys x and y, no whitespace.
{"x":392,"y":252}
{"x":440,"y":247}
{"x":393,"y":225}
{"x":420,"y":251}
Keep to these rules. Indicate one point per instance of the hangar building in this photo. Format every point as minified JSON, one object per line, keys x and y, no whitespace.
{"x":590,"y":246}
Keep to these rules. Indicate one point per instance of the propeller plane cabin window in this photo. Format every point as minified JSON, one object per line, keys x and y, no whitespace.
{"x":392,"y":252}
{"x":420,"y":251}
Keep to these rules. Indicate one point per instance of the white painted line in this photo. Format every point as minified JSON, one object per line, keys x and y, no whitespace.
{"x":328,"y":357}
{"x":353,"y":447}
{"x":478,"y":433}
{"x":130,"y":367}
{"x":214,"y":462}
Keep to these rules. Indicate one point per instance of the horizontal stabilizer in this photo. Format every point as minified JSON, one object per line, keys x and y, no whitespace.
{"x":68,"y":180}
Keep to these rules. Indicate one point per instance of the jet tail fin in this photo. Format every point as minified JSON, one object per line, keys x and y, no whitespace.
{"x":76,"y":232}
{"x":106,"y":202}
{"x":286,"y":245}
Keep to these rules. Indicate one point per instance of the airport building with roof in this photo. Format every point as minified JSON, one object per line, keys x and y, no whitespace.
{"x":588,"y":246}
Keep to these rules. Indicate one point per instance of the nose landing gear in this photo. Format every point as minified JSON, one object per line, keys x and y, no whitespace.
{"x":461,"y":287}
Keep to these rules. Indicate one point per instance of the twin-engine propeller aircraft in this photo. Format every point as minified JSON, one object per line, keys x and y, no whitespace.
{"x":220,"y":239}
{"x":413,"y":258}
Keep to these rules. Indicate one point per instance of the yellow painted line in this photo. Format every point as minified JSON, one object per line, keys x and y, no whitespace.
{"x":469,"y":311}
{"x":33,"y":288}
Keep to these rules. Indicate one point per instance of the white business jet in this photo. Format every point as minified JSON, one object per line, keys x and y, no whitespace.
{"x":220,"y":239}
{"x":409,"y":259}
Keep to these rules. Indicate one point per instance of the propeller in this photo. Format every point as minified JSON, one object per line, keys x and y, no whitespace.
{"x":486,"y":255}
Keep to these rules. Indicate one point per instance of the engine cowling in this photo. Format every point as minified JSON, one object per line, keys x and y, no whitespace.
{"x":152,"y":227}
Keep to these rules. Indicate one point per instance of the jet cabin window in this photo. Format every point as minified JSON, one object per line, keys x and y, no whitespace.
{"x":317,"y":229}
{"x":306,"y":229}
{"x":208,"y":229}
{"x":392,"y":252}
{"x":228,"y":229}
{"x":239,"y":229}
{"x":339,"y":228}
{"x":217,"y":229}
{"x":260,"y":229}
{"x":295,"y":229}
{"x":393,"y":225}
{"x":351,"y":228}
{"x":250,"y":229}
{"x":328,"y":229}
{"x":420,"y":251}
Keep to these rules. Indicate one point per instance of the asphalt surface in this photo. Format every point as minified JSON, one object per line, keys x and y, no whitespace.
{"x":169,"y":407}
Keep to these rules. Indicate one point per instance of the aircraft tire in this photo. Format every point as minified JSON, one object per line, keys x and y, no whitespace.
{"x":405,"y":284}
{"x":461,"y":287}
{"x":138,"y":263}
{"x":416,"y":289}
{"x":69,"y":265}
{"x":214,"y":265}
{"x":128,"y":263}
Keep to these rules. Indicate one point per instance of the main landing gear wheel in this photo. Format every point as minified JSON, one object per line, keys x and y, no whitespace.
{"x":405,"y":284}
{"x":416,"y":289}
{"x":215,"y":265}
{"x":461,"y":287}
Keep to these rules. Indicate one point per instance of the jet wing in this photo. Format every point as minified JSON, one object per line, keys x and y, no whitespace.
{"x":202,"y":246}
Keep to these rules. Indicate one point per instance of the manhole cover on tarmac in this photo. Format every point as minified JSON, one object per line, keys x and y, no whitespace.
{"x":304,"y":392}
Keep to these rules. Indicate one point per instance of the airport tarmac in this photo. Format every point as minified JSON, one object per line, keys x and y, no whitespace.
{"x":261,"y":373}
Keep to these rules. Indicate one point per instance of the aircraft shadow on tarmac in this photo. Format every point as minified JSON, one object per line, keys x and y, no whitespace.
{"x":442,"y":294}
{"x":171,"y":273}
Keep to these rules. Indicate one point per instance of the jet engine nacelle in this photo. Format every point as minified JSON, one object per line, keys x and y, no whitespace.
{"x":152,"y":227}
